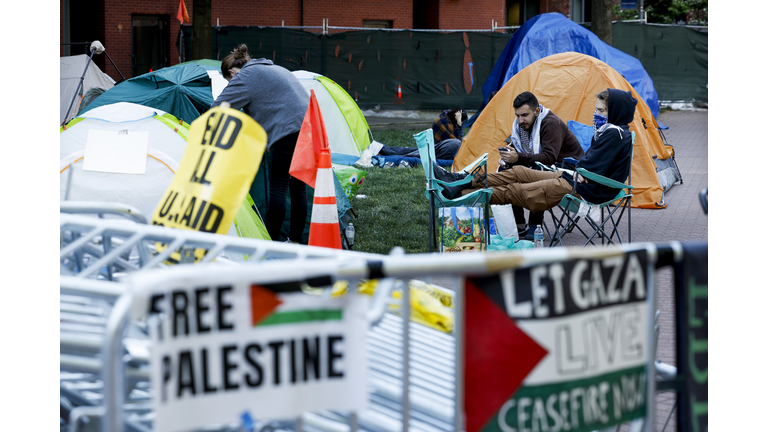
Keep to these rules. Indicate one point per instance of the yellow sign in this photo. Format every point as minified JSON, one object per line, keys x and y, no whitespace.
{"x":223,"y":154}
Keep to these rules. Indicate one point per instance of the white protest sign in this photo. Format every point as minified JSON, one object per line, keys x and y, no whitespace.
{"x":116,"y":151}
{"x":230,"y":344}
{"x":588,"y":320}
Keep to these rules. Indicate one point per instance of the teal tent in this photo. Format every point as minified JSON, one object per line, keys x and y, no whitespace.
{"x":183,"y":90}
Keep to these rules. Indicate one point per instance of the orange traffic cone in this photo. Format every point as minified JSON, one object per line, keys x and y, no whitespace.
{"x":324,"y":227}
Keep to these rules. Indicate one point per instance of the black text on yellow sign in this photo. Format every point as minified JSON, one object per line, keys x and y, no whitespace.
{"x":224,"y":151}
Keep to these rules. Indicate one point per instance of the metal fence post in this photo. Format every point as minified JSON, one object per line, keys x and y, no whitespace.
{"x":114,"y":368}
{"x":458,"y":335}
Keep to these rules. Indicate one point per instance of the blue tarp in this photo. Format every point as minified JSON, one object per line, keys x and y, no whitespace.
{"x":553,"y":33}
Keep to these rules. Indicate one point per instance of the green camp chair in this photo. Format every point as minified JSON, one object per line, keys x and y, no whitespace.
{"x":569,"y":208}
{"x":425,"y":141}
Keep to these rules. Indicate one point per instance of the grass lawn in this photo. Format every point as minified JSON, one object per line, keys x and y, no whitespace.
{"x":396,"y":211}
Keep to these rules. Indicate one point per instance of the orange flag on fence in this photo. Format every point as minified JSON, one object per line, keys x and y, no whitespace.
{"x":312,"y":139}
{"x":182,"y":16}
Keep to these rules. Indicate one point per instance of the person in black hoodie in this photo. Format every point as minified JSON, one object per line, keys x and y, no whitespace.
{"x":609,"y":155}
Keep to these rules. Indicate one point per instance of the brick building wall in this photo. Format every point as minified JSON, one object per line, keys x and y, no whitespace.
{"x":351,"y":13}
{"x":562,"y":6}
{"x":118,"y":29}
{"x":471,"y":15}
{"x":113,"y":26}
{"x":249,"y":13}
{"x":117,"y":23}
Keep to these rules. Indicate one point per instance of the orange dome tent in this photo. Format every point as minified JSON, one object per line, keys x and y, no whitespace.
{"x":567,"y":83}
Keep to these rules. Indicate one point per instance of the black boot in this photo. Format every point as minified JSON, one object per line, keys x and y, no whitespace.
{"x":446,"y":176}
{"x":450,"y":192}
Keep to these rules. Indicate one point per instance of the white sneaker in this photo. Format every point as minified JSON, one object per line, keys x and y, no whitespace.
{"x":365,"y":159}
{"x":375,"y":147}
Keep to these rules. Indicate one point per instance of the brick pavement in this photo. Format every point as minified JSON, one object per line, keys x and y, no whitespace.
{"x":683,"y":220}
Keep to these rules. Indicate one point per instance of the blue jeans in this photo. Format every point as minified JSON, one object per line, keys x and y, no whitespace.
{"x":445,"y":149}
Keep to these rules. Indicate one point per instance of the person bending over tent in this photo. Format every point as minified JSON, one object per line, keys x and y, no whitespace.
{"x":448,"y":135}
{"x":275,"y":98}
{"x":538,"y":135}
{"x":610,"y":155}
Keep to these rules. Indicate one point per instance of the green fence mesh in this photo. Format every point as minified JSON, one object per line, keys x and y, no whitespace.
{"x":675,"y":57}
{"x":437,"y":71}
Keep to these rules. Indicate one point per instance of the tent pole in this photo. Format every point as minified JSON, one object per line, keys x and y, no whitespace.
{"x":115,"y":66}
{"x":79,"y":85}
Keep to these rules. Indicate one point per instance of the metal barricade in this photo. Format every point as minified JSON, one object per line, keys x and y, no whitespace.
{"x":104,"y":357}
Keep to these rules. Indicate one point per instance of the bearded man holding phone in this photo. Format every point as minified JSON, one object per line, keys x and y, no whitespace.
{"x":538,"y":135}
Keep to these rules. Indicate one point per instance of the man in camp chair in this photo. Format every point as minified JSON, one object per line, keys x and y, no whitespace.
{"x":609,"y":156}
{"x":538,"y":135}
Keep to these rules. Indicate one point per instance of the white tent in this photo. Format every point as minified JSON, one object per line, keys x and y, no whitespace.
{"x":113,"y":134}
{"x":99,"y":138}
{"x":70,"y":70}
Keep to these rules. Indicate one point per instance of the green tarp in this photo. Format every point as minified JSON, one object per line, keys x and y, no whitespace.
{"x":675,"y":57}
{"x":433,"y":69}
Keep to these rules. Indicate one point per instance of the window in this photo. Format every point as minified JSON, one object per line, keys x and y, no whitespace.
{"x":520,"y":11}
{"x":150,"y":43}
{"x":581,"y":11}
{"x":377,"y":23}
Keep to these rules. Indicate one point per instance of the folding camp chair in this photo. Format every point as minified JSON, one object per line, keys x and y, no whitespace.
{"x":615,"y":208}
{"x":425,"y":141}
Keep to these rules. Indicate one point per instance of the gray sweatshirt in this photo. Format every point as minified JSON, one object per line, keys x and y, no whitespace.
{"x":271,"y":95}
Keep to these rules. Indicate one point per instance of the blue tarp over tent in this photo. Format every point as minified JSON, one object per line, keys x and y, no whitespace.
{"x":553,"y":33}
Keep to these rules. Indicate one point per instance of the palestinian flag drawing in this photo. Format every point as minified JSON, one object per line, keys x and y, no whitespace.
{"x":269,"y":308}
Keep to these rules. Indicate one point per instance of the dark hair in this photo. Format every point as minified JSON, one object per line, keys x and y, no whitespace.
{"x":452,"y":115}
{"x":526,"y":98}
{"x":603,"y":96}
{"x":237,"y":59}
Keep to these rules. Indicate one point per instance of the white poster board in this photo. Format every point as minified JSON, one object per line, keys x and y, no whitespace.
{"x":589,"y":320}
{"x":116,"y":151}
{"x":218,"y":82}
{"x":229,"y":345}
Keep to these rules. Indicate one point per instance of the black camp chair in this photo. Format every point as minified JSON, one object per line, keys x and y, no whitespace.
{"x":570,"y":204}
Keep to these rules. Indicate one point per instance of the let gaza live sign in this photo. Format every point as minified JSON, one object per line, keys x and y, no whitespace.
{"x":224,"y":151}
{"x":230,"y":341}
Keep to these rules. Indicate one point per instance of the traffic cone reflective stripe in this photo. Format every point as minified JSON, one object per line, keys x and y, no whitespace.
{"x":324,"y":226}
{"x":325,"y":200}
{"x":324,"y":214}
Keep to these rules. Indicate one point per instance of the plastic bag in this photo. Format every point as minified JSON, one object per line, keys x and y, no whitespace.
{"x":501,"y":244}
{"x":349,"y":178}
{"x":504,"y":217}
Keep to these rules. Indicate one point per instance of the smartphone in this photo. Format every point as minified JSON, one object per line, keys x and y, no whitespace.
{"x":503,"y":149}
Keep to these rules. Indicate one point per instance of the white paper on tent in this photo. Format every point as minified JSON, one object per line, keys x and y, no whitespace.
{"x":218,"y":83}
{"x":116,"y":151}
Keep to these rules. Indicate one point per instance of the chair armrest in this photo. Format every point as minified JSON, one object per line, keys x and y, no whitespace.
{"x":546,"y":167}
{"x":602,"y":180}
{"x":482,"y":160}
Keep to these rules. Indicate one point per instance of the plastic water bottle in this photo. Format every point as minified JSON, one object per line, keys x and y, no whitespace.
{"x":350,"y":233}
{"x":538,"y":237}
